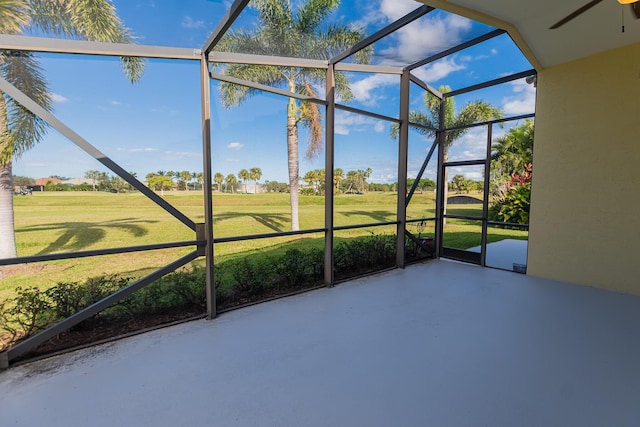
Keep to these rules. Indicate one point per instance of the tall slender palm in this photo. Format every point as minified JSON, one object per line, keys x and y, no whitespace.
{"x":231,"y":180}
{"x":243,"y":175}
{"x":255,"y":174}
{"x":20,"y":130}
{"x":286,"y":32}
{"x":472,"y":112}
{"x":338,"y":176}
{"x":218,"y":178}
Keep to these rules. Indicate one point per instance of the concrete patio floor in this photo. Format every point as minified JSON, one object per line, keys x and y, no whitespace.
{"x":436,"y":344}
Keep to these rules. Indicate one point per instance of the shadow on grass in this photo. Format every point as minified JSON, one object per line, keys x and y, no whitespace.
{"x":378,"y":216}
{"x":79,"y":235}
{"x":275,"y":222}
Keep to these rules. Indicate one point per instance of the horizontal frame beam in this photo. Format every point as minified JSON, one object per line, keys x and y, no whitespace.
{"x":366,"y":68}
{"x":45,"y":44}
{"x":366,"y":113}
{"x":373,"y":224}
{"x":493,"y":122}
{"x":280,"y":61}
{"x":411,"y":221}
{"x":99,"y":252}
{"x":432,"y":90}
{"x":490,"y":83}
{"x":266,"y":88}
{"x":465,"y":163}
{"x":420,"y":126}
{"x":267,"y":235}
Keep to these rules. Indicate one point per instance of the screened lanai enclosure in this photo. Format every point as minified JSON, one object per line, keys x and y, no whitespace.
{"x":319,"y":142}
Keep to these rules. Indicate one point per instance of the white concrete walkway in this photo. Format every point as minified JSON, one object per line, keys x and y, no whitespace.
{"x":439,"y":344}
{"x":505,"y":253}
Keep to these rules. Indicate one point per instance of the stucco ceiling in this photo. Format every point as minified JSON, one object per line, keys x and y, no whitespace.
{"x":597,"y":30}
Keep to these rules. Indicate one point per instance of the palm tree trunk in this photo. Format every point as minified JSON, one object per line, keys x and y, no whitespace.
{"x":292,"y":155}
{"x":7,"y":235}
{"x":446,"y":187}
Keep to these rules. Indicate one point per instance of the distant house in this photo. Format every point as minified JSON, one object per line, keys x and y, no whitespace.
{"x":77,"y":181}
{"x":39,"y":183}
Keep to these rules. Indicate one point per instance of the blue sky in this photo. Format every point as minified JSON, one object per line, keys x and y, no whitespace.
{"x":155,"y":124}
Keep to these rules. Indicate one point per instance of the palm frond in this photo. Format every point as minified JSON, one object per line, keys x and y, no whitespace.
{"x":472,"y":112}
{"x":14,"y":15}
{"x":94,"y":20}
{"x":343,"y":91}
{"x":232,"y":94}
{"x":310,"y":117}
{"x":274,"y":15}
{"x":338,"y":39}
{"x":97,"y":20}
{"x":24,"y":128}
{"x":312,"y":13}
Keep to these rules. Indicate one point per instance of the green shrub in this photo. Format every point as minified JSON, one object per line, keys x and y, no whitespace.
{"x":514,"y":207}
{"x":237,"y":281}
{"x":26,"y":314}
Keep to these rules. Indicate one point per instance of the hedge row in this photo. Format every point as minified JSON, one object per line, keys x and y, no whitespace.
{"x":182,"y":294}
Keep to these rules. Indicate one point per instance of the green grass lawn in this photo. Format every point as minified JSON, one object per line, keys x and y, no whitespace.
{"x":77,"y":221}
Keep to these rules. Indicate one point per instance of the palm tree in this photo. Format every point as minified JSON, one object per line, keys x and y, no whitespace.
{"x":512,"y":154}
{"x":230,"y":180}
{"x":291,"y":33}
{"x":93,"y":176}
{"x":243,"y":174}
{"x":20,"y":130}
{"x":200,"y":179}
{"x":218,"y":178}
{"x":255,"y":174}
{"x":472,"y":112}
{"x":184,"y":176}
{"x":338,"y":176}
{"x":513,"y":151}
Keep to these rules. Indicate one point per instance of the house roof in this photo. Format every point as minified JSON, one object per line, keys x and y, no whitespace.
{"x":43,"y":181}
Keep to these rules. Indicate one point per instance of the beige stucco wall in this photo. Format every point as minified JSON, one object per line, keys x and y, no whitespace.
{"x":585,"y":217}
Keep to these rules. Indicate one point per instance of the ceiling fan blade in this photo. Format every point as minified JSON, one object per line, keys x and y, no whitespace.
{"x":575,"y":14}
{"x":635,"y":8}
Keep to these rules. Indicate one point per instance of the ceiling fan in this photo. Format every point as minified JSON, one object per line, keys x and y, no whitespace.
{"x":634,"y":4}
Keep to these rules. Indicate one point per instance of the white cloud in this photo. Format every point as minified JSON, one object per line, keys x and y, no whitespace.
{"x":235,"y":146}
{"x":363,"y":89}
{"x":56,"y":97}
{"x":114,"y":102}
{"x":427,"y":36}
{"x":494,"y":51}
{"x":394,"y":9}
{"x":439,"y":70}
{"x":471,"y":146}
{"x":136,"y":150}
{"x":523,"y":100}
{"x":232,"y":160}
{"x":189,"y":22}
{"x":345,"y":122}
{"x":474,"y":173}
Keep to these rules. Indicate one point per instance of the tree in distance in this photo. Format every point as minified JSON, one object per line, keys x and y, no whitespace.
{"x":230,"y":180}
{"x":218,"y":178}
{"x":255,"y":174}
{"x":243,"y":175}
